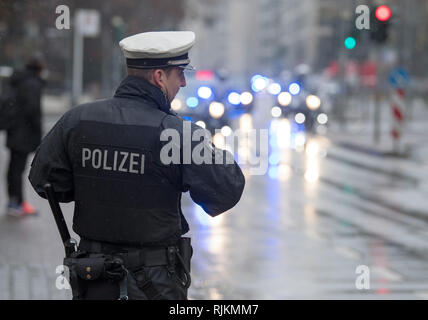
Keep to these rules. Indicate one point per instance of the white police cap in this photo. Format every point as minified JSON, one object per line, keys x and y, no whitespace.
{"x":158,"y":49}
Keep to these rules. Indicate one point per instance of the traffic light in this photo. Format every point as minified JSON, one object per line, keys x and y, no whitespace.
{"x":383,"y":13}
{"x":379,"y":23}
{"x":350,"y":43}
{"x":352,"y":37}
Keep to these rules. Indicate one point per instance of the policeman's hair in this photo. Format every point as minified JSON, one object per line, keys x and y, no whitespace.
{"x":147,"y":73}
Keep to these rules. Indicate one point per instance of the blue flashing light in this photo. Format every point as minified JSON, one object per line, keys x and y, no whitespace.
{"x":255,"y":77}
{"x":254,"y":88}
{"x":234,"y":113}
{"x":274,"y":159}
{"x":301,"y":127}
{"x":273,"y":142}
{"x":274,"y":88}
{"x":234,"y":98}
{"x":192,"y":102}
{"x":205,"y":92}
{"x":273,"y":172}
{"x":294,"y":88}
{"x":260,"y":83}
{"x":201,"y":216}
{"x":187,"y":118}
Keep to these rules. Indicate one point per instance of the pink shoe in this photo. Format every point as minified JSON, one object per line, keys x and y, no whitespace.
{"x":28,"y":209}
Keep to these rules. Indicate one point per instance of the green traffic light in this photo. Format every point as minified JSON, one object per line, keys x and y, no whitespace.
{"x":350,"y":43}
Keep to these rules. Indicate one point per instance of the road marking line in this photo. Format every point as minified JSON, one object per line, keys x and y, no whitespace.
{"x":386,"y":273}
{"x":422,"y":294}
{"x":314,"y":235}
{"x":348,"y":252}
{"x":20,"y":282}
{"x":38,"y":283}
{"x":4,"y":282}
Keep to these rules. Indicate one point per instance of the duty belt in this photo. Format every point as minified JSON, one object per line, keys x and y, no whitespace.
{"x":133,"y":257}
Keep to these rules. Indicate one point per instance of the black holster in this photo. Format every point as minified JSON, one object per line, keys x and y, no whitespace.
{"x":184,"y":254}
{"x":92,"y":267}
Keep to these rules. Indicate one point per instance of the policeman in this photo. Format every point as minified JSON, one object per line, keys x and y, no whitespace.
{"x":106,"y":157}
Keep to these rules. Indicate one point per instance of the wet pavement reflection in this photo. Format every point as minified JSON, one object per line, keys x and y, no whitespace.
{"x":302,"y":230}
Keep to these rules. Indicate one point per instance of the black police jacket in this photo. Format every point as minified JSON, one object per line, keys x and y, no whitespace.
{"x":107,"y":157}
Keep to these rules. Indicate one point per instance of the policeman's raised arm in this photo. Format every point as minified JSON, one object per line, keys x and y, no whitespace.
{"x":215,"y":187}
{"x":212,"y":177}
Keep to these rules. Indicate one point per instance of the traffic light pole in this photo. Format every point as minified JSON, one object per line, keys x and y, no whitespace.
{"x":380,"y":23}
{"x":377,"y":116}
{"x":77,"y":62}
{"x":376,"y":129}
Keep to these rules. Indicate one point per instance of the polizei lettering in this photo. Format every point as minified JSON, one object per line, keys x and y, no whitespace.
{"x":113,"y":160}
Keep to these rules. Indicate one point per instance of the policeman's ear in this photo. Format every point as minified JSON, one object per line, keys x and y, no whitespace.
{"x":159,"y":78}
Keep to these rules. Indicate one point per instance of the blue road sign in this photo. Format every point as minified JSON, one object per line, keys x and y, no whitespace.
{"x":399,"y":78}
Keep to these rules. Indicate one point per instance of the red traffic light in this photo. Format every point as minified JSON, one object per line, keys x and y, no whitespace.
{"x":383,"y":13}
{"x":204,"y":75}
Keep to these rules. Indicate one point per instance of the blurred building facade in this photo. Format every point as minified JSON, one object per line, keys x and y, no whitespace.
{"x":268,"y":36}
{"x":264,"y":35}
{"x":234,"y":37}
{"x":226,"y":35}
{"x":29,"y":26}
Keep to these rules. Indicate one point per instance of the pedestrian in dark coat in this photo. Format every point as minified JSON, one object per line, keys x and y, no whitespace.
{"x":24,"y":135}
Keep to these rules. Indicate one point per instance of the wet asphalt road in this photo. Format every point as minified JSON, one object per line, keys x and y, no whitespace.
{"x":299,"y":232}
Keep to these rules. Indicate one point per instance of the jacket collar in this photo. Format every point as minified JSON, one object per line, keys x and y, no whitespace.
{"x":138,"y":88}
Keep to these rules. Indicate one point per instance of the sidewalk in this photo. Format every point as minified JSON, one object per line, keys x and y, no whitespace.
{"x":356,"y":143}
{"x":358,"y":134}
